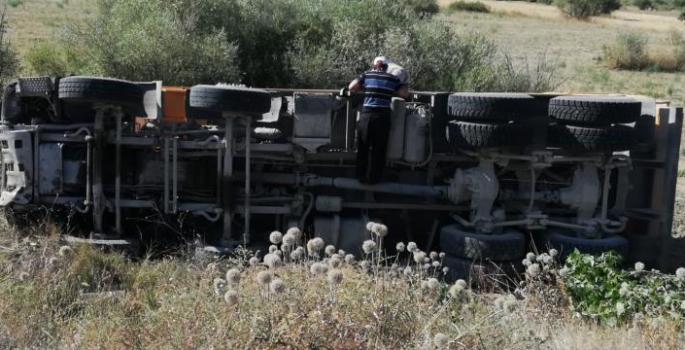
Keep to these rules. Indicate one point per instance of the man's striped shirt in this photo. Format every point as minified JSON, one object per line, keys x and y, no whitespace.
{"x":379,"y":89}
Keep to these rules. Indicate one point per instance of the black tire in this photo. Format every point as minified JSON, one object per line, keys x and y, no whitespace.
{"x":476,"y":135}
{"x":566,"y":244}
{"x":101,"y":90}
{"x":594,"y":110}
{"x":479,"y":270}
{"x":490,"y":106}
{"x":607,"y":139}
{"x":506,"y":246}
{"x":645,"y":127}
{"x":230,"y":99}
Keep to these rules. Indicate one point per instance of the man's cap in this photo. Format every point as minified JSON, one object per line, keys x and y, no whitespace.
{"x":380,"y":60}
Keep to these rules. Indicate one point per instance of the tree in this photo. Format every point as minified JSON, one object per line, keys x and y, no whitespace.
{"x":584,"y":9}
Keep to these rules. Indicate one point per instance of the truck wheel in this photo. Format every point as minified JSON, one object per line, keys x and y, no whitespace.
{"x":594,"y":110}
{"x":577,"y":138}
{"x":476,"y":135}
{"x":490,"y":106}
{"x":566,"y":244}
{"x":100,"y":90}
{"x":506,"y":246}
{"x":230,"y":99}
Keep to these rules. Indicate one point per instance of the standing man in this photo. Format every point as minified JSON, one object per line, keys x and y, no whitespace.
{"x":373,"y":128}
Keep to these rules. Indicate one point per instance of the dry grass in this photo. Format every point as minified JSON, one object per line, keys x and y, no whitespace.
{"x":35,"y":20}
{"x":524,"y":29}
{"x":172,"y":303}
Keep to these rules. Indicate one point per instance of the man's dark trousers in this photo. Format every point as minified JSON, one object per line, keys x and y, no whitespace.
{"x":373,"y":130}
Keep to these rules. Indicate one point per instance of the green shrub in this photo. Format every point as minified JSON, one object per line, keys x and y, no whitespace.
{"x":14,"y":3}
{"x":270,"y":43}
{"x":583,"y":9}
{"x":628,"y":52}
{"x":423,"y":6}
{"x":643,"y":4}
{"x":599,"y":290}
{"x":468,"y":7}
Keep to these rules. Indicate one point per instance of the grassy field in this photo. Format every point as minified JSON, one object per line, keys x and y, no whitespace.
{"x":33,"y":20}
{"x":526,"y":29}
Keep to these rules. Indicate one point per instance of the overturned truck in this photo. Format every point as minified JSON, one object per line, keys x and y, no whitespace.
{"x":479,"y":176}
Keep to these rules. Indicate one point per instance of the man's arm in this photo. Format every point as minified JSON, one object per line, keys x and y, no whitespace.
{"x":355,"y":85}
{"x":403,"y":91}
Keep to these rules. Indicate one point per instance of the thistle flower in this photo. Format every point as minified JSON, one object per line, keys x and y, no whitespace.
{"x":296,"y":254}
{"x":400,"y":247}
{"x":407,"y":271}
{"x":295,"y":232}
{"x":65,"y":251}
{"x":462,"y":283}
{"x":335,"y":262}
{"x":369,"y":226}
{"x":533,"y":270}
{"x":276,"y":237}
{"x":499,"y":303}
{"x":231,"y":298}
{"x":315,"y":244}
{"x":233,"y":276}
{"x":278,"y":253}
{"x":254,"y":261}
{"x":440,"y":340}
{"x":277,"y":286}
{"x":369,"y":246}
{"x":620,"y":308}
{"x":436,"y":264}
{"x":433,"y":284}
{"x":553,"y":252}
{"x":509,"y":305}
{"x":680,"y":272}
{"x":639,"y":266}
{"x":341,"y":252}
{"x":442,"y":255}
{"x":219,"y":285}
{"x":330,"y":250}
{"x":456,"y":290}
{"x":530,"y":256}
{"x":412,"y":247}
{"x":264,"y":278}
{"x":285,"y":248}
{"x":419,"y":256}
{"x":366,"y":265}
{"x":318,"y":268}
{"x":23,"y":276}
{"x":272,"y":261}
{"x":349,"y":259}
{"x":445,"y":270}
{"x":380,"y":230}
{"x":273,"y":249}
{"x":426,"y":260}
{"x":289,"y":239}
{"x":334,"y":276}
{"x":564,"y":272}
{"x":212,"y":267}
{"x":433,"y":255}
{"x":426,"y":266}
{"x":526,"y":262}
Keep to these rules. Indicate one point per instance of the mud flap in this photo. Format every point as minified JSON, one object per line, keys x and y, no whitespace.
{"x":17,"y":168}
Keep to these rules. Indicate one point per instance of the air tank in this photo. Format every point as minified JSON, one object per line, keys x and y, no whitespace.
{"x":396,"y":139}
{"x":416,"y":136}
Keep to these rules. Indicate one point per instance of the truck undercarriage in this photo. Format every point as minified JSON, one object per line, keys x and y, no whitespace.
{"x":479,"y":176}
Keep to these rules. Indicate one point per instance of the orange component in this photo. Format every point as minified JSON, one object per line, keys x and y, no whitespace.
{"x":174,"y":104}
